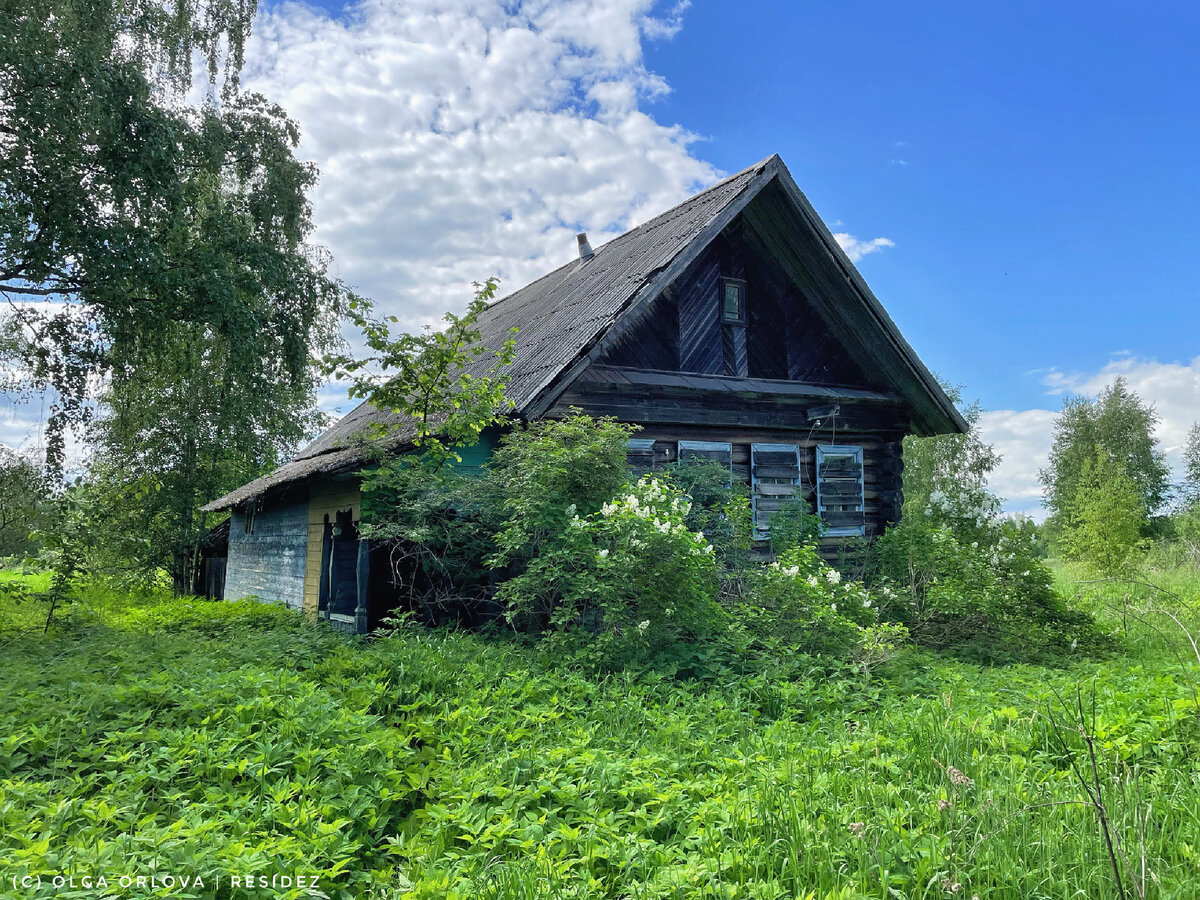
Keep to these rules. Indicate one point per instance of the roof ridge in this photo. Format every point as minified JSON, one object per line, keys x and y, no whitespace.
{"x":761,"y":164}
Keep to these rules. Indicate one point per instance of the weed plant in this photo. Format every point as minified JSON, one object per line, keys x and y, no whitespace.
{"x":144,"y":734}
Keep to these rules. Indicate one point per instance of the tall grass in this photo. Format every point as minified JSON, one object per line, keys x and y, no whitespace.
{"x":152,"y":734}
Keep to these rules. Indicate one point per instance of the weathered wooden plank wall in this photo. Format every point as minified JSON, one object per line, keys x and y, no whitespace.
{"x":269,"y":562}
{"x":883,"y":463}
{"x":700,"y":344}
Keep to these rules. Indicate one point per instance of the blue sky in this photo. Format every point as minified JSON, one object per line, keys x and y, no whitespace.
{"x":1019,"y":183}
{"x":1036,"y":165}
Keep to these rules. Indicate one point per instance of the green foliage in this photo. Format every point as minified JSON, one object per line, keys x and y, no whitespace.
{"x":552,"y":471}
{"x":181,"y":432}
{"x":1191,"y":462}
{"x":1106,"y":517}
{"x":801,"y":604}
{"x":622,"y":573}
{"x":440,"y":530}
{"x":794,"y":525}
{"x":945,"y":479}
{"x":1122,"y":425}
{"x":993,"y":599}
{"x":718,"y":509}
{"x":184,"y":736}
{"x":1186,"y":519}
{"x":202,"y":768}
{"x":956,"y":573}
{"x":24,"y":502}
{"x":435,"y":383}
{"x":150,"y":222}
{"x":631,"y":574}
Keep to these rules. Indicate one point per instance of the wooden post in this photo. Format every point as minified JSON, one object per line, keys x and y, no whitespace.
{"x":363,"y":573}
{"x":324,"y":591}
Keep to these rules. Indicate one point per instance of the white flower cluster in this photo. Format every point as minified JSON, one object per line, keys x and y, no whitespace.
{"x":829,"y":580}
{"x":661,"y":509}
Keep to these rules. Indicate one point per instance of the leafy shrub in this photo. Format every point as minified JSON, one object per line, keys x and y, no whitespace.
{"x":995,"y":597}
{"x":549,"y":472}
{"x":800,"y":603}
{"x":439,"y":528}
{"x":631,"y":573}
{"x":794,"y":525}
{"x":718,"y":508}
{"x":1106,"y":517}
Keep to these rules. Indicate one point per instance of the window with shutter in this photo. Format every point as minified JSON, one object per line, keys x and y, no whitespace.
{"x":840,"y":500}
{"x":733,"y":301}
{"x":639,"y":453}
{"x":774,"y":480}
{"x":714,"y":450}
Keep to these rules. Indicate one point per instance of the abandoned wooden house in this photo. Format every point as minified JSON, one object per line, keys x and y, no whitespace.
{"x":731,"y":327}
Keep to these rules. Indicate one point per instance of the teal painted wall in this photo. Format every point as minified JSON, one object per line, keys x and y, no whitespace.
{"x":474,"y":456}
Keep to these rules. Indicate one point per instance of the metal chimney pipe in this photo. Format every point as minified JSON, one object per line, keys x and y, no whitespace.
{"x":585,"y":249}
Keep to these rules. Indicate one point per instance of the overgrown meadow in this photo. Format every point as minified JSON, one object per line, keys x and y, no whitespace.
{"x":146,"y":735}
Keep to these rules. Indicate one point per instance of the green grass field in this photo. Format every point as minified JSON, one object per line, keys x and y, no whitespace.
{"x":144,"y":736}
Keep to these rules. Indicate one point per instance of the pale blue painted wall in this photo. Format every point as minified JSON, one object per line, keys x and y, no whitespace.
{"x":269,"y":563}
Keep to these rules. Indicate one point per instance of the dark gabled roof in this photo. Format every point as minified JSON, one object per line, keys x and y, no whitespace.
{"x":564,"y":320}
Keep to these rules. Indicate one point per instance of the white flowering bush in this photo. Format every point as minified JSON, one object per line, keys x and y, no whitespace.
{"x":632,"y":574}
{"x":802,"y":603}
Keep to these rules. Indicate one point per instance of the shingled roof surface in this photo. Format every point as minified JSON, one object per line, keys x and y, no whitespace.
{"x":557,"y":317}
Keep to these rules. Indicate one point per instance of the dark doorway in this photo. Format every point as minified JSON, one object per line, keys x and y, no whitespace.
{"x":339,"y":560}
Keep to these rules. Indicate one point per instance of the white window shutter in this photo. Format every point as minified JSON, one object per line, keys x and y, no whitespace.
{"x":774,"y":480}
{"x":840,"y":501}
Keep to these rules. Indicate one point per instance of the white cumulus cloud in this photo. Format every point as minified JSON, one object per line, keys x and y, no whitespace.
{"x":464,"y":138}
{"x":856,"y":249}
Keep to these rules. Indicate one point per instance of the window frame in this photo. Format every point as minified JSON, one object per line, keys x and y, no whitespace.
{"x":644,"y":447}
{"x":762,"y":534}
{"x":727,"y":446}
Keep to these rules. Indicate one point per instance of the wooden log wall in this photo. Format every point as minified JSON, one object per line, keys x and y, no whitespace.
{"x":670,"y":416}
{"x":883,"y":463}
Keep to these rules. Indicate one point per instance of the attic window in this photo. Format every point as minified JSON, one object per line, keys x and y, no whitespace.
{"x":733,"y":301}
{"x":248,"y":519}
